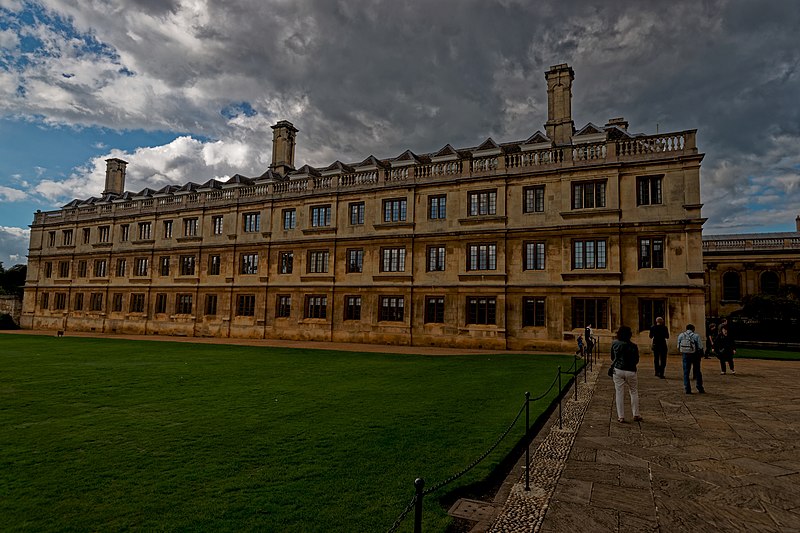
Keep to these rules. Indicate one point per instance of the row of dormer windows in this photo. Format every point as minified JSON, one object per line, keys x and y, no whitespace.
{"x":589,"y":194}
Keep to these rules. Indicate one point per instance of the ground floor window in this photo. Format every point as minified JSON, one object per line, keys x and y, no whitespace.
{"x":316,"y":306}
{"x":352,"y":308}
{"x":533,"y":311}
{"x":434,"y":310}
{"x":284,"y":306}
{"x":649,"y":310}
{"x":481,"y":310}
{"x":246,"y":305}
{"x":183,"y":304}
{"x":116,"y":302}
{"x":391,"y":308}
{"x":161,"y":303}
{"x":78,"y":302}
{"x":587,"y":311}
{"x":211,"y":304}
{"x":137,"y":303}
{"x":96,"y":301}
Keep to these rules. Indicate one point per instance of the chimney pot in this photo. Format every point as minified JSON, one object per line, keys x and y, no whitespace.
{"x":619,"y":122}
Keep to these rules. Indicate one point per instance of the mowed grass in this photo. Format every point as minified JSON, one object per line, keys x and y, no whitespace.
{"x":108,"y":435}
{"x":754,"y":353}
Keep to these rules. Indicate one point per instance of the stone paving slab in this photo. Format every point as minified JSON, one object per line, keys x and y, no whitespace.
{"x":724,"y":461}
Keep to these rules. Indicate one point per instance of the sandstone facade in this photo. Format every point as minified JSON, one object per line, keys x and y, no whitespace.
{"x":515,"y":245}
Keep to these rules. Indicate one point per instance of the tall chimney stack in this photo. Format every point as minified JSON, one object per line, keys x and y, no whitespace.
{"x":797,"y":223}
{"x":283,"y":135}
{"x":115,"y":176}
{"x":559,"y":125}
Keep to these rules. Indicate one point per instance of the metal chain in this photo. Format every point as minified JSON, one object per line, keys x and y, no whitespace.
{"x":479,"y":459}
{"x":403,"y":515}
{"x":553,"y":384}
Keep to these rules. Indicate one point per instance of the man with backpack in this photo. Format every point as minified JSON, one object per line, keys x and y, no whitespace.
{"x":691,"y":348}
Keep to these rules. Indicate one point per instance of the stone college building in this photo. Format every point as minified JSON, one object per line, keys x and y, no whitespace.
{"x":514,"y":245}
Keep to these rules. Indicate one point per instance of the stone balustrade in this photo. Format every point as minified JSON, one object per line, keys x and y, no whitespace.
{"x":772,"y":243}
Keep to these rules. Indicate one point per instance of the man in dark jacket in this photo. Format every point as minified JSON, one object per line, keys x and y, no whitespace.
{"x":659,"y":334}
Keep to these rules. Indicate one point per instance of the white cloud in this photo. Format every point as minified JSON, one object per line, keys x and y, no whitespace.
{"x":13,"y":245}
{"x":8,"y":39}
{"x":12,"y":195}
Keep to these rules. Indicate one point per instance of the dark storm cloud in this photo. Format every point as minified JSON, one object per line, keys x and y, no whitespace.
{"x":361,"y":77}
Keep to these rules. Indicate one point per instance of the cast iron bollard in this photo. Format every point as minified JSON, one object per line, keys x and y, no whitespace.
{"x":527,"y":444}
{"x":575,"y":375}
{"x":419,"y":484}
{"x":559,"y":397}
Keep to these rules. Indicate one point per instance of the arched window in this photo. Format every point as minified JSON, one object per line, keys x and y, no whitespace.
{"x":769,"y":282}
{"x":730,"y":286}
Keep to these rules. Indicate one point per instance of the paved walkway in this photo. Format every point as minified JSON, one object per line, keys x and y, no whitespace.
{"x":727,"y":460}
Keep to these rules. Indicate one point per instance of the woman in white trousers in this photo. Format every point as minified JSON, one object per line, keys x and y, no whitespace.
{"x":625,"y":358}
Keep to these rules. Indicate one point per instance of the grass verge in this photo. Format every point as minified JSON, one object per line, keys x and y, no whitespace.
{"x":755,"y":353}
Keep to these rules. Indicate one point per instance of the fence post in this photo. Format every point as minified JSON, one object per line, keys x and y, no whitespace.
{"x":559,"y":397}
{"x":527,"y":444}
{"x":584,"y":371}
{"x":575,"y":375}
{"x":419,"y":483}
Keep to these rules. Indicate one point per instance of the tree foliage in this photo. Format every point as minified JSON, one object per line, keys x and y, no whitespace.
{"x":12,"y":280}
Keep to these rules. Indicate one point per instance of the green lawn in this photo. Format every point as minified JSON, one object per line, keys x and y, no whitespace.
{"x":108,"y":435}
{"x":755,"y":353}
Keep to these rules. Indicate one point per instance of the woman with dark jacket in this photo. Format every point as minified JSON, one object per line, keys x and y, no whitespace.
{"x":625,"y":357}
{"x":725,"y":348}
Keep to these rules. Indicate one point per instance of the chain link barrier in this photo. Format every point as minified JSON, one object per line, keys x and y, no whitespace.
{"x":484,"y":455}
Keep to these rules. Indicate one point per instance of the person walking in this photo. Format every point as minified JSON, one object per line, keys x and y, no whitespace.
{"x":625,"y":357}
{"x":726,"y":349}
{"x":659,"y":333}
{"x":711,"y":334}
{"x":691,"y":348}
{"x":588,"y":339}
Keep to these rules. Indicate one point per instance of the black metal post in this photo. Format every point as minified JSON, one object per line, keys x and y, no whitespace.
{"x":559,"y":397}
{"x":584,"y":371}
{"x":527,"y":444}
{"x":419,"y":483}
{"x":575,"y":380}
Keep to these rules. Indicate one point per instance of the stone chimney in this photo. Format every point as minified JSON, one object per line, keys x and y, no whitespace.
{"x":797,"y":223}
{"x":283,"y":135}
{"x":559,"y":125}
{"x":619,"y":122}
{"x":115,"y":176}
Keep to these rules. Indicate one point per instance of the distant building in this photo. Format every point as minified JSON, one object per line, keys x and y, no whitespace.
{"x":746,"y":264}
{"x":514,"y":245}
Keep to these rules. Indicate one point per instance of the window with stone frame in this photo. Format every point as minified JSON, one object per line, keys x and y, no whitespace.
{"x":482,"y":256}
{"x":87,"y":235}
{"x":589,"y":194}
{"x":116,"y":302}
{"x":289,"y":219}
{"x":437,"y":206}
{"x":731,"y":286}
{"x":145,"y":231}
{"x":393,"y":260}
{"x":648,"y":190}
{"x":136,"y":304}
{"x":66,"y":237}
{"x":533,"y":311}
{"x":316,"y":306}
{"x":356,"y":213}
{"x":96,"y":301}
{"x":214,"y":265}
{"x":122,"y":268}
{"x":216,"y":224}
{"x":124,"y":232}
{"x":141,"y":265}
{"x":481,"y":203}
{"x":533,"y":199}
{"x":587,"y":311}
{"x":286,"y":262}
{"x":284,"y":309}
{"x":45,"y":301}
{"x":355,"y":260}
{"x":320,"y":216}
{"x":190,"y":226}
{"x":437,"y":259}
{"x":48,"y":269}
{"x":161,"y":303}
{"x":391,"y":308}
{"x":352,"y":307}
{"x":434,"y":309}
{"x":481,"y":310}
{"x":651,"y":252}
{"x":103,"y":233}
{"x":63,"y":269}
{"x":649,"y":310}
{"x":589,"y":254}
{"x":251,"y":222}
{"x":534,"y":255}
{"x":183,"y":304}
{"x":246,"y":305}
{"x":211,"y":305}
{"x":187,"y":263}
{"x":167,"y":229}
{"x":60,"y":301}
{"x":395,"y":210}
{"x":82,"y":270}
{"x":249,"y":264}
{"x":164,"y":265}
{"x":318,"y":261}
{"x":77,"y":303}
{"x":100,"y":268}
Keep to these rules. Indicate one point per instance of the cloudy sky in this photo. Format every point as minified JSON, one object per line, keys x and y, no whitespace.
{"x":186,"y":90}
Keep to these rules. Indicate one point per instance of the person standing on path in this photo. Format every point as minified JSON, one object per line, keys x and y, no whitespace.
{"x":726,"y":349}
{"x":659,"y":333}
{"x":711,"y":334}
{"x":588,"y":339}
{"x":625,"y":357}
{"x":691,"y":348}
